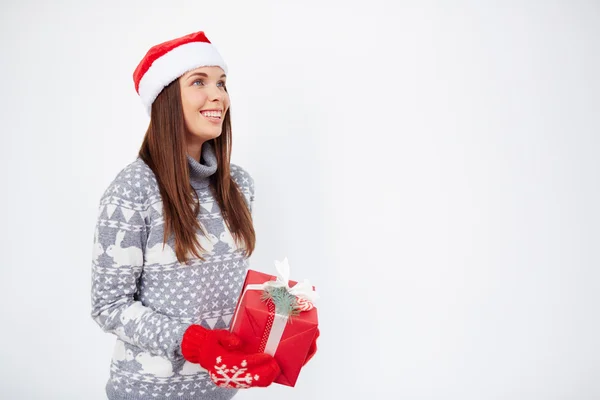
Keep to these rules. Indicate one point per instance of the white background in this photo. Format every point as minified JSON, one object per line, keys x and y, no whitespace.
{"x":432,"y":167}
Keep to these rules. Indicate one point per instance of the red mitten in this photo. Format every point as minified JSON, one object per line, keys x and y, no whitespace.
{"x":219,"y":352}
{"x":313,"y":348}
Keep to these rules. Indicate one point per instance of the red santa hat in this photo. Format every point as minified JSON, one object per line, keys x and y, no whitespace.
{"x":167,"y":61}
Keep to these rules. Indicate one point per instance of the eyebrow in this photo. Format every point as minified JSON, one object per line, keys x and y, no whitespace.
{"x":203,"y":74}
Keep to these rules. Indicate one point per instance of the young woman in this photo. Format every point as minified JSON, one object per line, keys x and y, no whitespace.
{"x":173,"y":237}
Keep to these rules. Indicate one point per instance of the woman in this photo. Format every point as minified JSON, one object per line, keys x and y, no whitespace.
{"x":173,"y":238}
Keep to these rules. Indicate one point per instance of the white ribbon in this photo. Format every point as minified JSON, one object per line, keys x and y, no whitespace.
{"x":302,"y":289}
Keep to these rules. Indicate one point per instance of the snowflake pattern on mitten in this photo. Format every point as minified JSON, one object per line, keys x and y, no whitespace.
{"x":232,"y":377}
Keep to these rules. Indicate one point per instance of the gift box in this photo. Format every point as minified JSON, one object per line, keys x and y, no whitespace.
{"x":277,"y":316}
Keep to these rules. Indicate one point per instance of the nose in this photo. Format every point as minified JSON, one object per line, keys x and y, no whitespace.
{"x":215,"y":93}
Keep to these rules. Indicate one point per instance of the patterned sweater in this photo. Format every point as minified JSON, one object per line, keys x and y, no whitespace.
{"x":146,"y":298}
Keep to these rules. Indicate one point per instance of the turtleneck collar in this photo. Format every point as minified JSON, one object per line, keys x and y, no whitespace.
{"x":200,"y":171}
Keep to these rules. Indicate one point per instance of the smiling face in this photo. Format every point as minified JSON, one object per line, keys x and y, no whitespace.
{"x":205,"y":101}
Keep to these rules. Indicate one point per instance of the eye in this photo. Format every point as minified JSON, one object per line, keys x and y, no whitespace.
{"x":202,"y":82}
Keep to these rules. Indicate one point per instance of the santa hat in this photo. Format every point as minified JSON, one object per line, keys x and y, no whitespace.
{"x":167,"y":61}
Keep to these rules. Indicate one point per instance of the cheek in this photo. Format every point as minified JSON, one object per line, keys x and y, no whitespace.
{"x":192,"y":102}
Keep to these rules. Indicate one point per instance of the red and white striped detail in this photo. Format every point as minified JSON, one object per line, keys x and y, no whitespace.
{"x":303,"y":304}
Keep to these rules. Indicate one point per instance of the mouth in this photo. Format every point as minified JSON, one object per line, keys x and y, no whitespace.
{"x":214,"y":116}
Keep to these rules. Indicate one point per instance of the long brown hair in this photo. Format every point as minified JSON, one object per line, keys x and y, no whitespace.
{"x":164,"y":151}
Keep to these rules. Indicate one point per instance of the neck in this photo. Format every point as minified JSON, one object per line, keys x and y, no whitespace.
{"x":194,"y":148}
{"x":201,"y":169}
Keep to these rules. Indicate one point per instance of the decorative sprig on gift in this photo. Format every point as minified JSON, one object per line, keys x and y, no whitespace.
{"x":285,"y":303}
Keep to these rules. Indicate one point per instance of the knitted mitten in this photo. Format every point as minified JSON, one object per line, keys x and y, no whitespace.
{"x":220,"y":352}
{"x":313,"y":348}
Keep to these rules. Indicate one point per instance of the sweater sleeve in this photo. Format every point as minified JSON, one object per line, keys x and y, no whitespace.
{"x":117,"y":264}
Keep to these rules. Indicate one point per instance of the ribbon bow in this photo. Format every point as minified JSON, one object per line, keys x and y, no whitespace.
{"x":302,"y":290}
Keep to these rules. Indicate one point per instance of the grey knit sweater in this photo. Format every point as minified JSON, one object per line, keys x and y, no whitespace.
{"x":146,"y":298}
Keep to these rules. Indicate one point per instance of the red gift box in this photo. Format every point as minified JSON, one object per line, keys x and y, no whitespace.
{"x":255,"y":320}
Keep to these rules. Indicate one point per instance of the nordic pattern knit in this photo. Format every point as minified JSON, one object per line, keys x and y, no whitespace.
{"x":144,"y":296}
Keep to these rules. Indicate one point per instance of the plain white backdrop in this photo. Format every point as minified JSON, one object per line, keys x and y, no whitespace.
{"x":432,"y":167}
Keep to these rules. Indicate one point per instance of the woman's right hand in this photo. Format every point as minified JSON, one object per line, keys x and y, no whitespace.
{"x":220,"y":352}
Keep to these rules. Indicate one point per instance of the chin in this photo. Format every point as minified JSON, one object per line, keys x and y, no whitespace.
{"x":207,"y":134}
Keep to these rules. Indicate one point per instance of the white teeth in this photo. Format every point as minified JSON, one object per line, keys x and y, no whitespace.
{"x":215,"y":114}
